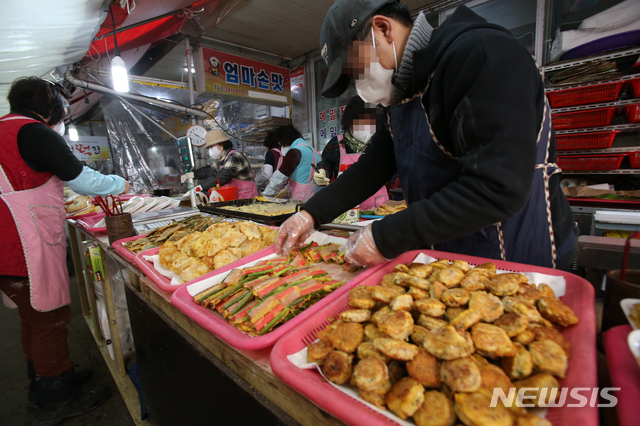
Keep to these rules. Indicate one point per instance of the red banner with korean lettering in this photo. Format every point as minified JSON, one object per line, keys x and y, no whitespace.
{"x":231,"y":75}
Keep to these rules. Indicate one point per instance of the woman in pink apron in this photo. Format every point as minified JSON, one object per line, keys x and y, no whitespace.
{"x":359,"y":124}
{"x":230,"y":168}
{"x":272,"y":161}
{"x":34,"y":163}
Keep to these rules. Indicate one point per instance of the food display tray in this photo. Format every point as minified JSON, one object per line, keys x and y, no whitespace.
{"x":125,"y":252}
{"x":88,"y":223}
{"x":582,"y":371}
{"x":266,"y":220}
{"x":234,"y":337}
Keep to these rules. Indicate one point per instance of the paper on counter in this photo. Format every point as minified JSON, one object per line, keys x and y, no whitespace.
{"x":155,"y":259}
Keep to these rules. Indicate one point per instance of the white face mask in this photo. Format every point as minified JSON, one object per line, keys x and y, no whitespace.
{"x":284,"y":150}
{"x":214,"y":152}
{"x":375,"y":86}
{"x":59,"y":128}
{"x":364,"y":133}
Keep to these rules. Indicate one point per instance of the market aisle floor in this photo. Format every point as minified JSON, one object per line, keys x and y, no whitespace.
{"x":13,"y":371}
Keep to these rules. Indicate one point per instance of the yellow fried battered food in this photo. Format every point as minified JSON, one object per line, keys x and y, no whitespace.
{"x":448,"y":343}
{"x":380,"y":315}
{"x":465,"y":319}
{"x":462,"y":265}
{"x":418,"y":293}
{"x":370,"y":373}
{"x":356,"y":315}
{"x":512,"y":323}
{"x":431,"y":323}
{"x":461,"y":375}
{"x":474,"y":409}
{"x":480,"y":361}
{"x":539,"y":382}
{"x":397,"y":278}
{"x":402,"y":303}
{"x":425,"y":368}
{"x":396,"y":371}
{"x":420,"y":283}
{"x":436,"y":288}
{"x":371,"y":332}
{"x":436,"y":410}
{"x":396,"y":349}
{"x":401,"y":267}
{"x":546,"y":290}
{"x":225,"y":257}
{"x":347,"y":337}
{"x":317,"y":352}
{"x":397,"y":325}
{"x":452,"y":313}
{"x":405,"y":397}
{"x":455,"y":297}
{"x":420,"y":270}
{"x":546,"y":333}
{"x":491,"y":341}
{"x":360,"y":298}
{"x":489,"y":266}
{"x":419,"y":333}
{"x":430,"y":307}
{"x":475,"y":281}
{"x":337,"y":367}
{"x":493,"y":377}
{"x":373,"y":398}
{"x":325,"y":335}
{"x":548,"y":357}
{"x":449,"y":276}
{"x":503,"y":284}
{"x":384,"y":294}
{"x":525,"y":337}
{"x":528,"y":311}
{"x":531,"y":419}
{"x":529,"y":291}
{"x":367,"y":350}
{"x":555,"y":311}
{"x":519,"y":366}
{"x":488,"y":306}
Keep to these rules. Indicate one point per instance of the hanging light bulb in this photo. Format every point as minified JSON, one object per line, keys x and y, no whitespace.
{"x":73,"y":133}
{"x":119,"y":75}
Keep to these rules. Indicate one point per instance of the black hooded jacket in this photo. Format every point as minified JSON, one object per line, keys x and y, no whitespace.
{"x":485,"y":104}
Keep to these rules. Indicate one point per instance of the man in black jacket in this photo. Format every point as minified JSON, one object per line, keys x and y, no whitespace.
{"x":469,"y":133}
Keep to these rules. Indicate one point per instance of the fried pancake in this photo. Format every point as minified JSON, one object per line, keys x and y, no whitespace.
{"x":461,"y":375}
{"x":370,"y":373}
{"x":347,"y":337}
{"x":436,"y":410}
{"x":405,"y":397}
{"x":425,"y":368}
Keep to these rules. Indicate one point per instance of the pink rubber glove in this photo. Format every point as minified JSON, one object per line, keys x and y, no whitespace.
{"x":293,"y":232}
{"x":362,"y":250}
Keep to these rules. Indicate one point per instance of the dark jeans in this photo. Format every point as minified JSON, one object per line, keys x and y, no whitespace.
{"x":44,"y":334}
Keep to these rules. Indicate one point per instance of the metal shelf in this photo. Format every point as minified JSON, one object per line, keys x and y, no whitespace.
{"x":599,"y":151}
{"x":569,"y":64}
{"x":595,"y":83}
{"x":602,"y":172}
{"x":622,"y":127}
{"x":617,"y":103}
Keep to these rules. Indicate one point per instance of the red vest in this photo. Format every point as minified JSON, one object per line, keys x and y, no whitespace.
{"x":22,"y":177}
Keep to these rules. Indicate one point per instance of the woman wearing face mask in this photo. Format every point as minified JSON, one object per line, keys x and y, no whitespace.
{"x":359,"y":124}
{"x":35,"y":163}
{"x":272,"y":161}
{"x":228,"y":166}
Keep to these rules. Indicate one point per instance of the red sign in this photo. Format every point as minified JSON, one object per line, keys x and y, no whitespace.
{"x":297,"y":78}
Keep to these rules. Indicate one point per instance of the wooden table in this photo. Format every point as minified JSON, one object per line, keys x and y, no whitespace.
{"x":188,"y":374}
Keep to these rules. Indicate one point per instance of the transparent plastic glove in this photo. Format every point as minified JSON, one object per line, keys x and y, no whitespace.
{"x":293,"y":232}
{"x":320,"y":178}
{"x":362,"y":250}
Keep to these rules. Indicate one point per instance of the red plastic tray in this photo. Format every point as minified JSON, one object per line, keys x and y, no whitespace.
{"x":632,"y":113}
{"x":634,"y":157}
{"x":624,"y":372}
{"x":89,"y":223}
{"x":125,"y":252}
{"x":586,"y":140}
{"x":234,"y":337}
{"x":588,"y":118}
{"x":582,"y":371}
{"x":585,"y":95}
{"x":590,"y":162}
{"x":635,"y":86}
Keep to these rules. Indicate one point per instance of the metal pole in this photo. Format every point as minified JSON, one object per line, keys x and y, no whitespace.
{"x":538,"y":50}
{"x":192,"y":99}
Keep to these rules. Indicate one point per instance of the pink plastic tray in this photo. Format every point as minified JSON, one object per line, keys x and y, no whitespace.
{"x":125,"y":252}
{"x":89,"y":223}
{"x":221,"y":328}
{"x":582,"y":371}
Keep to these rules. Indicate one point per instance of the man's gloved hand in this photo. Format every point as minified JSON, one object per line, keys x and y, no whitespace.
{"x":320,"y":178}
{"x":294,"y":232}
{"x":362,"y":250}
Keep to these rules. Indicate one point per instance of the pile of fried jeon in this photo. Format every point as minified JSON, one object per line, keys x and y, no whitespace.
{"x":432,"y":342}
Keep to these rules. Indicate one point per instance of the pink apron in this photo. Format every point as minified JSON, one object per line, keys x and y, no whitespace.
{"x":39,"y":217}
{"x":246,"y":188}
{"x":303,"y":191}
{"x":373,"y":202}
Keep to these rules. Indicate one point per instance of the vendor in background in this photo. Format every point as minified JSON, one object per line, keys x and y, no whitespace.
{"x":272,"y":161}
{"x":229,"y":166}
{"x":35,"y":163}
{"x":469,"y":133}
{"x":297,"y":167}
{"x":359,"y":124}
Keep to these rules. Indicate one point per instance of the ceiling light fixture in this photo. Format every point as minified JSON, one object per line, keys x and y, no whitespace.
{"x":73,"y":133}
{"x":193,"y":70}
{"x":119,"y":73}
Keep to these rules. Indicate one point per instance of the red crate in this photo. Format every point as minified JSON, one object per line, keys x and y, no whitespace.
{"x":588,"y":118}
{"x":635,"y":85}
{"x":590,"y":162}
{"x":585,"y":95}
{"x":634,"y":157}
{"x":632,"y":113}
{"x":586,"y":140}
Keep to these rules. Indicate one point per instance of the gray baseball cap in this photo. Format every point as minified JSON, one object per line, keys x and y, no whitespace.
{"x":340,"y":26}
